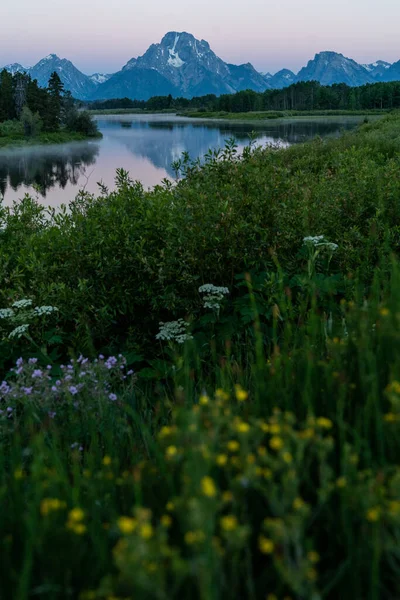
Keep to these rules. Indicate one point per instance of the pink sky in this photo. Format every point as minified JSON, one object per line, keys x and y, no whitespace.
{"x":99,"y":35}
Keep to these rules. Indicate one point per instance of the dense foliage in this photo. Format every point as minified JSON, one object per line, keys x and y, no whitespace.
{"x":26,"y":109}
{"x":253,"y":449}
{"x":301,"y":96}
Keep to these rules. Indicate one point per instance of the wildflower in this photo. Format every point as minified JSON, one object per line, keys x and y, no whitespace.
{"x":170,"y":506}
{"x":272,"y":597}
{"x":313,"y":557}
{"x":127,"y":525}
{"x":166,"y":521}
{"x":341,"y":482}
{"x":27,"y":390}
{"x":49,"y":504}
{"x":19,"y":331}
{"x":384,"y":312}
{"x":193,"y":537}
{"x":73,"y":390}
{"x":6,"y":313}
{"x":242,"y":427}
{"x":204,"y":399}
{"x":107,"y":461}
{"x":221,"y":460}
{"x":76,"y":515}
{"x":78,"y":528}
{"x":324,"y":423}
{"x":275,"y":428}
{"x":241,"y":394}
{"x":112,"y":397}
{"x":227,"y":496}
{"x":276,"y":443}
{"x":261,"y":451}
{"x":146,"y":531}
{"x":298,"y":503}
{"x":287,"y":457}
{"x":229,"y":523}
{"x":373,"y":515}
{"x":390,"y":417}
{"x":394,"y":507}
{"x":233,"y":446}
{"x":265,"y":545}
{"x":174,"y":331}
{"x":208,"y":487}
{"x":213,"y":296}
{"x":18,"y":474}
{"x":171,"y":451}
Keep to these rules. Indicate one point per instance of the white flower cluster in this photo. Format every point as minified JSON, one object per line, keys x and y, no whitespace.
{"x":6,"y":313}
{"x":174,"y":331}
{"x":44,"y":310}
{"x":319,"y":241}
{"x":19,"y":331}
{"x":213,"y":295}
{"x":22,"y":303}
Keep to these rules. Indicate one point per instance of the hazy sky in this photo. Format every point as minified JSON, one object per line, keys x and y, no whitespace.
{"x":102,"y":35}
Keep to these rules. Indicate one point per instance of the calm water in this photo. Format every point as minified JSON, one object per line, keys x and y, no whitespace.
{"x":146,"y":146}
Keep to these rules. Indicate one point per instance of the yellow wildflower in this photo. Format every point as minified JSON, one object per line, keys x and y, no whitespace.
{"x":78,"y":528}
{"x":220,"y":394}
{"x":229,"y":523}
{"x":166,"y":521}
{"x":241,"y":394}
{"x":390,"y":417}
{"x":276,"y":443}
{"x":265,"y":545}
{"x":75,"y":515}
{"x":208,"y":487}
{"x":341,"y":482}
{"x":221,"y":460}
{"x":171,"y":451}
{"x":311,"y":574}
{"x":165,"y":431}
{"x":107,"y":461}
{"x":394,"y":507}
{"x":127,"y":525}
{"x":384,"y":312}
{"x":49,"y":504}
{"x":203,"y":400}
{"x":275,"y":428}
{"x":170,"y":506}
{"x":272,"y":597}
{"x":373,"y":515}
{"x":298,"y":503}
{"x":227,"y":496}
{"x":146,"y":531}
{"x":287,"y":457}
{"x":233,"y":446}
{"x":313,"y":557}
{"x":18,"y":474}
{"x":242,"y":427}
{"x":261,"y":451}
{"x":324,"y":423}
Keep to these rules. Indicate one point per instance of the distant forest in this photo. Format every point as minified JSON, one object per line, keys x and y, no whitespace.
{"x":308,"y":95}
{"x":27,"y":109}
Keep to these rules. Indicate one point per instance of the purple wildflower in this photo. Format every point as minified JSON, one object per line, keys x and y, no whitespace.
{"x":33,"y":361}
{"x":73,"y":390}
{"x":37,"y":373}
{"x":52,"y":414}
{"x":112,"y":397}
{"x":20,"y":362}
{"x":27,"y":391}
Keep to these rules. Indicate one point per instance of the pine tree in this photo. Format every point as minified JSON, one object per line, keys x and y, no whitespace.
{"x":7,"y":106}
{"x":55,"y":90}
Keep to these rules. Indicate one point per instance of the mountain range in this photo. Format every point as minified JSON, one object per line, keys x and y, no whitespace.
{"x":181,"y":65}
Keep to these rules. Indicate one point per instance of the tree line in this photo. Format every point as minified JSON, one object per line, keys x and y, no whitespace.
{"x":304,"y":95}
{"x":29,"y":109}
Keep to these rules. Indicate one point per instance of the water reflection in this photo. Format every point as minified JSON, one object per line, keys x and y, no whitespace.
{"x":146,"y":146}
{"x":52,"y":166}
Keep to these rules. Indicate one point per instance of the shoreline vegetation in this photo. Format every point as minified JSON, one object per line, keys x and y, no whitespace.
{"x":201,"y":392}
{"x":32,"y":115}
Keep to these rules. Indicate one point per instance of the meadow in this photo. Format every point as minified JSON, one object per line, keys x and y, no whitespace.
{"x":201,"y":393}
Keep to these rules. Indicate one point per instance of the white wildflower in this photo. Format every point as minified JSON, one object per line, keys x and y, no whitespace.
{"x":6,"y":313}
{"x":174,"y":331}
{"x":22,"y":303}
{"x":44,"y":310}
{"x":319,"y":241}
{"x":19,"y":331}
{"x":213,"y":295}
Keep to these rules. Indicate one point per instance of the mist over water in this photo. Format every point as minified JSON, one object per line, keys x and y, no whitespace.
{"x":144,"y":145}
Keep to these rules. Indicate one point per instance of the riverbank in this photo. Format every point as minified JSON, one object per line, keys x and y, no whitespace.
{"x":59,"y":137}
{"x":284,"y":114}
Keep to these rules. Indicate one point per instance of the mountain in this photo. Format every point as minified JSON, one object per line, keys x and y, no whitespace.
{"x":99,"y":78}
{"x":245,"y":77}
{"x":141,"y":85}
{"x":392,"y":73}
{"x":189,"y":66}
{"x":331,"y":67}
{"x":15,"y":68}
{"x":378,"y":70}
{"x":80,"y":85}
{"x":281,"y":79}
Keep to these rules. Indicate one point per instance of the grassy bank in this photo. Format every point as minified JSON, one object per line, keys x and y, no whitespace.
{"x":267,"y":115}
{"x":130,"y":111}
{"x":59,"y":137}
{"x":201,"y":395}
